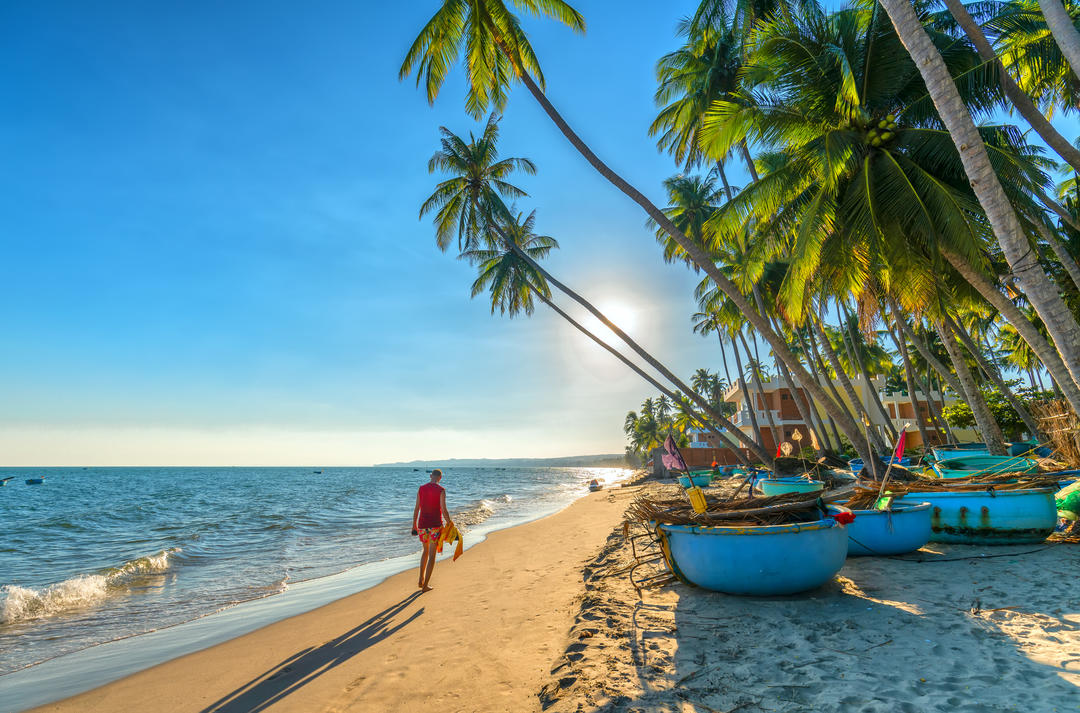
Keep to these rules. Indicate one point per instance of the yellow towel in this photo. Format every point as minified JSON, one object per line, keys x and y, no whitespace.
{"x":449,"y":534}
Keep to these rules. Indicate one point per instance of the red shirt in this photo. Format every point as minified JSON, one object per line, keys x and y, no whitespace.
{"x":430,"y":496}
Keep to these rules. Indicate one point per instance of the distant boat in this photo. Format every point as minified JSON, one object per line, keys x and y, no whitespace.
{"x":594,"y":485}
{"x":317,"y":471}
{"x":3,"y":481}
{"x":35,"y":481}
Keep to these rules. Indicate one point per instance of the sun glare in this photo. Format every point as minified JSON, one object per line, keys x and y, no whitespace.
{"x":620,"y":313}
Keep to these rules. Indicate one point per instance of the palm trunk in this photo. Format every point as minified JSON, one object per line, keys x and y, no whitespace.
{"x":760,"y":390}
{"x":984,"y":420}
{"x":845,"y":383}
{"x":700,"y":258}
{"x":1061,"y":252}
{"x":1041,"y":292}
{"x":692,"y":394}
{"x":909,"y":370}
{"x":637,"y":370}
{"x":805,"y":411}
{"x":859,"y":443}
{"x":1044,"y":351}
{"x":723,"y":179}
{"x":1063,"y":30}
{"x":865,"y":373}
{"x":1019,"y":99}
{"x":995,"y":377}
{"x":750,"y":405}
{"x":723,"y":357}
{"x":745,"y":150}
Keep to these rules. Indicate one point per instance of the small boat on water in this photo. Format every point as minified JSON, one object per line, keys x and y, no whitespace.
{"x":317,"y":472}
{"x":961,"y":466}
{"x":764,"y":560}
{"x":35,"y":481}
{"x":898,"y":530}
{"x":595,"y":485}
{"x":695,"y":481}
{"x":989,"y":517}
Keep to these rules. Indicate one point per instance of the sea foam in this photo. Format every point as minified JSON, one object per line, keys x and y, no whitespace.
{"x":19,"y":603}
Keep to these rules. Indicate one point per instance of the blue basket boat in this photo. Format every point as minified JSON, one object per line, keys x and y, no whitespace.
{"x":779,"y":486}
{"x":988,"y":517}
{"x":956,"y":450}
{"x":857,"y":464}
{"x":984,"y":465}
{"x":760,"y":561}
{"x":699,"y":481}
{"x":1025,"y":447}
{"x":902,"y":529}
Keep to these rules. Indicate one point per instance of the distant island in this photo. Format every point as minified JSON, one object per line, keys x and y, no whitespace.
{"x":608,"y":460}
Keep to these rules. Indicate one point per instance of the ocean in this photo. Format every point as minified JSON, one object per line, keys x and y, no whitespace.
{"x":94,"y":555}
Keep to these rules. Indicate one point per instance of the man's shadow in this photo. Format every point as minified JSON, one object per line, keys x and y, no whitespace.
{"x":305,"y":666}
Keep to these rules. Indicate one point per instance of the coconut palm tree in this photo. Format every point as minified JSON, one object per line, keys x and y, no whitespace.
{"x":984,"y":181}
{"x":491,"y":38}
{"x":471,"y":204}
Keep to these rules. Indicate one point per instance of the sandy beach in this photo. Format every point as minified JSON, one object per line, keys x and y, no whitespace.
{"x":483,"y":639}
{"x":542,"y":617}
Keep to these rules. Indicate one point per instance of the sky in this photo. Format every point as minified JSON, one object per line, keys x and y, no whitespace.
{"x":212,"y":253}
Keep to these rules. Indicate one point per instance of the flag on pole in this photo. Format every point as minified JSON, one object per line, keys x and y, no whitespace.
{"x":778,"y":451}
{"x":672,"y":459}
{"x":900,"y":443}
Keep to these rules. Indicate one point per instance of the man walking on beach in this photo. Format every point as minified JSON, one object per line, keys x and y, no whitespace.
{"x":427,"y":522}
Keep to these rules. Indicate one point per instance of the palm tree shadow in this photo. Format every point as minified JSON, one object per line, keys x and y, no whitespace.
{"x":305,"y":666}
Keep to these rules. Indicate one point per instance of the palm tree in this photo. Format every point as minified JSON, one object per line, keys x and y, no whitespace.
{"x":487,"y":32}
{"x":470,"y":203}
{"x":508,"y":272}
{"x":1061,"y":25}
{"x":984,"y":181}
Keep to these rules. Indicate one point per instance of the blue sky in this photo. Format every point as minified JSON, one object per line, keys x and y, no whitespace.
{"x":213,"y":256}
{"x":213,"y":253}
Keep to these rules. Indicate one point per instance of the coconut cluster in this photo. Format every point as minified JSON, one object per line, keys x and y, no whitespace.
{"x":883,"y":132}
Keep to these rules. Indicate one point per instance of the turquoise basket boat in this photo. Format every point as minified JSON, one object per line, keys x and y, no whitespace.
{"x":905,"y":528}
{"x":779,"y":486}
{"x":956,"y":450}
{"x":699,"y":480}
{"x":984,"y":465}
{"x":986,"y":517}
{"x":759,"y":561}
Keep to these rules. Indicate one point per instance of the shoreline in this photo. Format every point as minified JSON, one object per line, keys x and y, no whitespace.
{"x":486,"y":561}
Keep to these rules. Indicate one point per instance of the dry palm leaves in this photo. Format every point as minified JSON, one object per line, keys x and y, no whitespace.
{"x":1061,"y":427}
{"x":774,"y":510}
{"x":866,"y":492}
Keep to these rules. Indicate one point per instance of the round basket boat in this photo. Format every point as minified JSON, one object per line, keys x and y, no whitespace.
{"x":779,"y":486}
{"x":760,"y":561}
{"x":904,"y":528}
{"x":988,"y":517}
{"x":956,"y":450}
{"x":699,"y":481}
{"x":857,"y":464}
{"x":962,"y":466}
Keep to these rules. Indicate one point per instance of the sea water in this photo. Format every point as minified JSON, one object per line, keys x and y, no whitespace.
{"x":100,"y":554}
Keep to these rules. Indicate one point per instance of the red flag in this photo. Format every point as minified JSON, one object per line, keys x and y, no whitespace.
{"x":900,"y":443}
{"x":778,"y":451}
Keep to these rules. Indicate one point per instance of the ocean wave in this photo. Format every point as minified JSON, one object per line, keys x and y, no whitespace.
{"x":480,"y":511}
{"x":19,"y":603}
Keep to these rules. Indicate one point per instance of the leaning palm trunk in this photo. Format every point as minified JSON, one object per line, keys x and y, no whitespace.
{"x":640,"y":372}
{"x":813,"y":362}
{"x":845,"y":383}
{"x":755,"y":372}
{"x":700,"y":258}
{"x":1017,"y":96}
{"x":984,"y":420}
{"x":1041,"y":292}
{"x":1061,"y":252}
{"x":806,"y":412}
{"x":702,"y":402}
{"x":1061,"y":27}
{"x":994,"y":375}
{"x":924,"y":350}
{"x":924,"y":431}
{"x":1024,"y":327}
{"x":750,"y":405}
{"x":861,"y":363}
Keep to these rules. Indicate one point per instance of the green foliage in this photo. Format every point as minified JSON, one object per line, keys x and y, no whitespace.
{"x":959,"y":415}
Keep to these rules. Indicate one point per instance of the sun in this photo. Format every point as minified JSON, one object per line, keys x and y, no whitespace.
{"x":619,"y":312}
